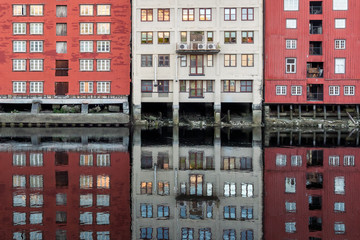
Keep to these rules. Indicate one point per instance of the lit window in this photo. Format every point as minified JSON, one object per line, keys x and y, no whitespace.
{"x":19,"y":87}
{"x":36,"y":64}
{"x":164,"y":15}
{"x":163,"y":188}
{"x":339,"y":185}
{"x":36,"y":46}
{"x":296,"y":90}
{"x":86,"y":64}
{"x":86,"y":46}
{"x":247,"y":190}
{"x":86,"y":87}
{"x":291,"y":5}
{"x":146,"y":188}
{"x":230,"y":14}
{"x":103,"y":46}
{"x":349,"y":90}
{"x":103,"y":9}
{"x":334,"y":90}
{"x":230,"y":60}
{"x":146,"y":15}
{"x":103,"y":87}
{"x":230,"y":37}
{"x":103,"y":181}
{"x":291,"y":23}
{"x":247,"y":14}
{"x":163,"y":37}
{"x":340,"y":23}
{"x":86,"y":181}
{"x":103,"y":65}
{"x":188,"y":14}
{"x":291,"y":43}
{"x":205,"y":14}
{"x":290,"y":185}
{"x":19,"y":10}
{"x":86,"y":28}
{"x":86,"y":10}
{"x":19,"y":46}
{"x":247,"y":60}
{"x":19,"y":28}
{"x":290,"y":227}
{"x":290,"y":206}
{"x":340,"y":44}
{"x":229,"y":86}
{"x":36,"y":28}
{"x":103,"y":28}
{"x":36,"y":10}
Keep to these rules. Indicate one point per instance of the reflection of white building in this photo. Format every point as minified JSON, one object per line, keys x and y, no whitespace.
{"x":197,"y":52}
{"x":196,"y":192}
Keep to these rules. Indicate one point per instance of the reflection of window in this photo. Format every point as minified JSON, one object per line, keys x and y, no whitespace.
{"x":61,"y":158}
{"x":187,"y":233}
{"x":209,"y":210}
{"x":19,"y":46}
{"x":230,"y":212}
{"x":19,"y":159}
{"x":209,"y":189}
{"x":36,"y":200}
{"x":86,"y":10}
{"x":247,"y":14}
{"x":146,"y":86}
{"x":86,"y":218}
{"x":247,"y":234}
{"x":290,"y":227}
{"x":247,"y":190}
{"x":103,"y":28}
{"x":195,"y":210}
{"x":229,"y":86}
{"x":230,"y":14}
{"x":36,"y":159}
{"x":36,"y":217}
{"x":230,"y":60}
{"x":102,"y":218}
{"x":86,"y":181}
{"x":103,"y":160}
{"x":163,"y":86}
{"x":19,"y":28}
{"x":339,"y":207}
{"x":103,"y":65}
{"x":245,"y":163}
{"x":163,"y":211}
{"x":86,"y":200}
{"x":103,"y":10}
{"x":19,"y":218}
{"x":229,"y":163}
{"x":247,"y":60}
{"x":229,"y":189}
{"x":103,"y":181}
{"x":146,"y":210}
{"x":290,"y":185}
{"x":247,"y":213}
{"x":183,"y":212}
{"x":230,"y":37}
{"x":85,"y":235}
{"x":19,"y":10}
{"x":103,"y":200}
{"x":296,"y":160}
{"x":196,"y":186}
{"x":19,"y":200}
{"x":146,"y":233}
{"x":146,"y":188}
{"x":19,"y":181}
{"x":61,"y":11}
{"x":103,"y":46}
{"x":339,"y":187}
{"x":205,"y":14}
{"x":290,"y":206}
{"x":196,"y":160}
{"x":61,"y":199}
{"x":86,"y":28}
{"x":164,"y":15}
{"x":334,"y":160}
{"x":61,"y":217}
{"x":163,"y":188}
{"x":229,"y":234}
{"x":36,"y":181}
{"x":36,"y":87}
{"x":86,"y":160}
{"x":61,"y":29}
{"x":146,"y":37}
{"x":339,"y":228}
{"x":146,"y":15}
{"x":36,"y":28}
{"x":146,"y":60}
{"x":36,"y":46}
{"x":102,"y":87}
{"x":163,"y":37}
{"x":35,"y":235}
{"x":188,"y":14}
{"x":86,"y":46}
{"x":204,"y":233}
{"x":280,"y":159}
{"x":146,"y":159}
{"x":164,"y":60}
{"x":349,"y":160}
{"x":163,"y":233}
{"x":196,"y":89}
{"x":196,"y":64}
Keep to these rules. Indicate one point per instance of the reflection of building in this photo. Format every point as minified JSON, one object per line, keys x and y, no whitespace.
{"x":311,"y":193}
{"x":197,"y":188}
{"x":66,"y":188}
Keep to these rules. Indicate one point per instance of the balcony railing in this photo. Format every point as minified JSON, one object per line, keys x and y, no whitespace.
{"x":315,"y":29}
{"x":315,"y":51}
{"x":315,"y":9}
{"x":315,"y":96}
{"x":197,"y":47}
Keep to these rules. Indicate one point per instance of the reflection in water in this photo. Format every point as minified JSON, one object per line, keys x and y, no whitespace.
{"x":65,"y":184}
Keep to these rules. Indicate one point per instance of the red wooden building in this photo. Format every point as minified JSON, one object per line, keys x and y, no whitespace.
{"x":311,"y":193}
{"x":311,"y":52}
{"x":67,"y":52}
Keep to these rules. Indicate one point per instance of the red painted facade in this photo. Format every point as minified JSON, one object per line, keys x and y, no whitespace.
{"x":119,"y":54}
{"x":275,"y":212}
{"x":119,"y":223}
{"x":276,"y":52}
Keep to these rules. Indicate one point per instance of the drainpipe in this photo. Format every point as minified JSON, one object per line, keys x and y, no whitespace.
{"x":155,"y":182}
{"x":155,"y":71}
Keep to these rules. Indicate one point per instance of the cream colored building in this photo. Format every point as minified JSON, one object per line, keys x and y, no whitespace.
{"x":187,"y":191}
{"x":207,"y":52}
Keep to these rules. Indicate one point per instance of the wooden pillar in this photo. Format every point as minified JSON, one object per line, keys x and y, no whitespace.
{"x":300,"y":111}
{"x":278,"y":111}
{"x":324,"y":137}
{"x":278,"y":138}
{"x":291,"y":112}
{"x":325,"y":112}
{"x":314,"y":139}
{"x":299,"y":137}
{"x":314,"y":109}
{"x":357,"y":112}
{"x":339,"y":112}
{"x":357,"y":138}
{"x":339,"y":138}
{"x":291,"y":138}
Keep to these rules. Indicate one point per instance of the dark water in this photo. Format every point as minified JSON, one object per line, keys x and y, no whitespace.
{"x":178,"y":183}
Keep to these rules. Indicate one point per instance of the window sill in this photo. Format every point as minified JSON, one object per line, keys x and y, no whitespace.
{"x":196,"y":74}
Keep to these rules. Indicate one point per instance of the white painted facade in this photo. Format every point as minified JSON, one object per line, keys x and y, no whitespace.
{"x":181,"y":75}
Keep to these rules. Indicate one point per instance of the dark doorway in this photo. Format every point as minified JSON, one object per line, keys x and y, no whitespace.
{"x":61,"y":88}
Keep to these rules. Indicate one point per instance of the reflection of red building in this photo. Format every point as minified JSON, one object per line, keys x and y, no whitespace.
{"x":71,"y":194}
{"x":311,"y":193}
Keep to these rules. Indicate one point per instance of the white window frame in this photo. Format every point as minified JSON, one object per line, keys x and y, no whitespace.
{"x":86,"y":28}
{"x":86,"y":46}
{"x":36,"y":28}
{"x":340,"y":23}
{"x":339,"y":228}
{"x":339,"y":207}
{"x":103,"y":87}
{"x":19,"y":46}
{"x":103,"y":65}
{"x":349,"y":160}
{"x":291,"y":23}
{"x":102,"y":46}
{"x":291,"y":66}
{"x":291,"y":5}
{"x":334,"y":160}
{"x":19,"y":10}
{"x":340,"y":5}
{"x":290,"y":227}
{"x":291,"y":43}
{"x":334,"y":90}
{"x":86,"y":10}
{"x":103,"y":28}
{"x":19,"y":65}
{"x":103,"y":10}
{"x":349,"y":90}
{"x":229,"y":189}
{"x":340,"y":44}
{"x":290,"y":206}
{"x":339,"y":185}
{"x":281,"y":90}
{"x":290,"y":185}
{"x":19,"y":87}
{"x":296,"y":90}
{"x":247,"y":190}
{"x":296,"y":160}
{"x":86,"y":65}
{"x":280,"y":160}
{"x":340,"y":65}
{"x":37,"y":65}
{"x":90,"y":87}
{"x":36,"y":46}
{"x":19,"y":28}
{"x":36,"y":87}
{"x":36,"y":10}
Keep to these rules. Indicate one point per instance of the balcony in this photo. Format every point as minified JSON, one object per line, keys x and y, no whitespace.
{"x":315,"y":70}
{"x":315,"y":27}
{"x":315,"y":92}
{"x":315,"y":7}
{"x":197,"y":48}
{"x":315,"y":48}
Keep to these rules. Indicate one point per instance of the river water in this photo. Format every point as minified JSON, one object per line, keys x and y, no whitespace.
{"x":179,"y":183}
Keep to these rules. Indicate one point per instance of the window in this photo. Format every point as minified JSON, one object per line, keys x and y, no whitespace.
{"x":228,"y":163}
{"x":187,"y":233}
{"x":36,"y":87}
{"x":205,"y":14}
{"x":339,"y":186}
{"x":103,"y":28}
{"x":296,"y":160}
{"x":86,"y":218}
{"x":204,"y":233}
{"x":19,"y":28}
{"x":163,"y":86}
{"x":61,"y":217}
{"x":36,"y":46}
{"x":291,"y":5}
{"x":36,"y":64}
{"x":103,"y":160}
{"x":247,"y":14}
{"x":19,"y":46}
{"x":290,"y":65}
{"x":36,"y":181}
{"x":146,"y":188}
{"x":86,"y":64}
{"x":146,"y":37}
{"x":183,"y":37}
{"x":86,"y":159}
{"x":229,"y":189}
{"x":229,"y":212}
{"x":163,"y":37}
{"x":230,"y":14}
{"x":19,"y":159}
{"x":290,"y":185}
{"x":188,"y":14}
{"x":19,"y":87}
{"x":86,"y":28}
{"x":209,"y":88}
{"x":103,"y":182}
{"x":340,"y":44}
{"x":247,"y":234}
{"x":349,"y":90}
{"x":36,"y":10}
{"x":229,"y":234}
{"x":19,"y":10}
{"x":163,"y":188}
{"x":247,"y":37}
{"x":86,"y":87}
{"x":209,"y":210}
{"x":196,"y":184}
{"x":291,"y":43}
{"x":86,"y":181}
{"x":103,"y":200}
{"x":339,"y":207}
{"x":247,"y":60}
{"x":103,"y":87}
{"x":182,"y":87}
{"x":164,"y":60}
{"x":163,"y":233}
{"x":210,"y":36}
{"x":229,"y":86}
{"x":103,"y":9}
{"x":334,"y":90}
{"x":290,"y":206}
{"x":61,"y":47}
{"x":163,"y":211}
{"x":183,"y":61}
{"x":19,"y":218}
{"x":340,"y":23}
{"x":340,"y":65}
{"x":103,"y":65}
{"x":86,"y":10}
{"x":196,"y":64}
{"x":196,"y":88}
{"x":146,"y":86}
{"x":61,"y":11}
{"x":19,"y":200}
{"x":164,"y":15}
{"x":296,"y":90}
{"x":146,"y":210}
{"x":36,"y":28}
{"x":280,"y":160}
{"x":183,"y":212}
{"x":61,"y":29}
{"x":146,"y":233}
{"x":290,"y":227}
{"x":334,"y":160}
{"x":349,"y":160}
{"x":19,"y":65}
{"x":61,"y":199}
{"x":339,"y":228}
{"x":103,"y":46}
{"x":291,"y":23}
{"x":340,"y":4}
{"x":146,"y":60}
{"x":146,"y":15}
{"x":247,"y":190}
{"x":230,"y":37}
{"x":230,"y":60}
{"x":86,"y":46}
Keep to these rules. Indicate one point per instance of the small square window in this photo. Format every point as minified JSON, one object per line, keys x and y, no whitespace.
{"x":340,"y":44}
{"x":280,"y":90}
{"x":291,"y":43}
{"x":340,"y":23}
{"x":103,"y":9}
{"x":291,"y":23}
